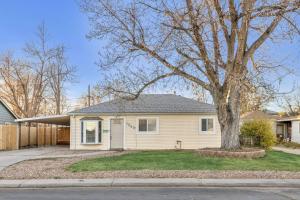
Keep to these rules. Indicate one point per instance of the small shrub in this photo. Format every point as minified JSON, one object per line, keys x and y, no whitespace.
{"x":261,"y":129}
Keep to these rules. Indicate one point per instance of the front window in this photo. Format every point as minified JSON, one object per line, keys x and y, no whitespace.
{"x":91,"y":132}
{"x":142,"y":125}
{"x":147,"y":125}
{"x":207,"y":124}
{"x":279,"y":129}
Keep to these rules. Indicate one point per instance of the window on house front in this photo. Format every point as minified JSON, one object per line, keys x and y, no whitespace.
{"x":142,"y":125}
{"x":147,"y":125}
{"x":91,"y":131}
{"x":207,"y":124}
{"x":279,"y":129}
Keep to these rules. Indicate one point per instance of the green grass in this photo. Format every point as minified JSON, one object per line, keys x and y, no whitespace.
{"x":187,"y":160}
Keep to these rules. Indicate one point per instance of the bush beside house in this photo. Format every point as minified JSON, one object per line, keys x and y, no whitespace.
{"x":260,"y":129}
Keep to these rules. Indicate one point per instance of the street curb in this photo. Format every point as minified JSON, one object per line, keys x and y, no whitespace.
{"x":154,"y":182}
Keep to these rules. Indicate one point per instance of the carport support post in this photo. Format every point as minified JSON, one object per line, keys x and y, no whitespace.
{"x":19,"y":135}
{"x":51,"y":135}
{"x":28,"y":131}
{"x":45,"y":131}
{"x":56,"y":134}
{"x":37,"y":135}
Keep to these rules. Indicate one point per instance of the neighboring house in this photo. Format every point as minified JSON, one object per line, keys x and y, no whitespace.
{"x":265,"y":115}
{"x":7,"y":116}
{"x":289,"y":127}
{"x":285,"y":128}
{"x":153,"y":121}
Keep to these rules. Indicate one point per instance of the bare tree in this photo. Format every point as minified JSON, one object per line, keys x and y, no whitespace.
{"x":22,"y":88}
{"x":25,"y":80}
{"x":207,"y":42}
{"x":28,"y":82}
{"x":256,"y":95}
{"x":59,"y":73}
{"x":97,"y":95}
{"x":290,"y":103}
{"x":200,"y":93}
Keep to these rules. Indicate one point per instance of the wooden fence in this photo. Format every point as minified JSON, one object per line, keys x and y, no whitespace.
{"x":8,"y":137}
{"x":38,"y":135}
{"x":63,"y":136}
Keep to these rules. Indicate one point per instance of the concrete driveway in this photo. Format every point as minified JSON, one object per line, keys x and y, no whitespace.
{"x":8,"y":158}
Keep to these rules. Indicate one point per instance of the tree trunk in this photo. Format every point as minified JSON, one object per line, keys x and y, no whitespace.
{"x":230,"y":132}
{"x":58,"y":101}
{"x":228,"y":109}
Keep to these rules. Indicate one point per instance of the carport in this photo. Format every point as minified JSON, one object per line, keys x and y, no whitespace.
{"x":44,"y":130}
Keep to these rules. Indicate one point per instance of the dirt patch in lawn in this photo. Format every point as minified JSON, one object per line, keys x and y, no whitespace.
{"x":46,"y":167}
{"x":56,"y":169}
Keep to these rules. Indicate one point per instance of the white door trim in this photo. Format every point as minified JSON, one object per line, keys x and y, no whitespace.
{"x":124,"y":130}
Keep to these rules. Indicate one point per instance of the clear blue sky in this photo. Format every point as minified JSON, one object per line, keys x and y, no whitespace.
{"x":66,"y":24}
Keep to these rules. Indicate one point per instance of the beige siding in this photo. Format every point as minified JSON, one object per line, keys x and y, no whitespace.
{"x":296,"y":131}
{"x":75,"y":129}
{"x":172,"y":128}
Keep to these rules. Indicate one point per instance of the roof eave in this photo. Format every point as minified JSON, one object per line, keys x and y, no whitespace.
{"x":9,"y":110}
{"x":287,"y":120}
{"x":52,"y":119}
{"x":144,"y":113}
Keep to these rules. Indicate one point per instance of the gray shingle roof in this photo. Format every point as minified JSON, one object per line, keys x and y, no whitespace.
{"x":150,"y":103}
{"x":6,"y":114}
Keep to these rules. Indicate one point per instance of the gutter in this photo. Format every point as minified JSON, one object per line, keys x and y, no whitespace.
{"x":143,"y":113}
{"x":149,"y":182}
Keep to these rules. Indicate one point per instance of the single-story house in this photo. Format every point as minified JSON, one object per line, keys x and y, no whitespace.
{"x":289,"y":127}
{"x":285,"y":128}
{"x":152,"y":121}
{"x":7,"y":116}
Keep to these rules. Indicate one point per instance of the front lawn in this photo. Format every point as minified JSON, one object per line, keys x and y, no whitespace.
{"x":188,"y":160}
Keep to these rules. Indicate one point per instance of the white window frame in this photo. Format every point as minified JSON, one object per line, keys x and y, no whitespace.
{"x":147,"y":132}
{"x":97,"y":131}
{"x":214,"y":125}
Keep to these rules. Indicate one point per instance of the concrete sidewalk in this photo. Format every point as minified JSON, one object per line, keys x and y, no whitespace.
{"x":155,"y":182}
{"x":287,"y":150}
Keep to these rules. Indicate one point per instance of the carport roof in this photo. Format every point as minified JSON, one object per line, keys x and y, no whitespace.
{"x":291,"y":118}
{"x":52,"y":119}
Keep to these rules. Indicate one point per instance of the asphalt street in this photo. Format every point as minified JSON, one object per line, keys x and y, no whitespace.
{"x":151,"y":193}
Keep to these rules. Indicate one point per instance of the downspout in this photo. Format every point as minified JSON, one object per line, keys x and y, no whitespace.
{"x":136,"y":135}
